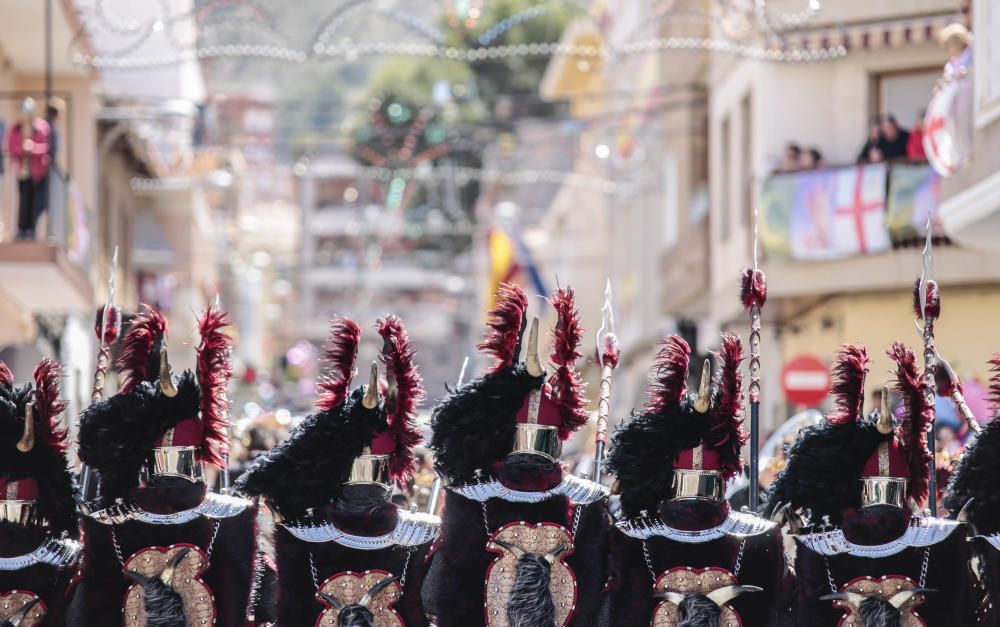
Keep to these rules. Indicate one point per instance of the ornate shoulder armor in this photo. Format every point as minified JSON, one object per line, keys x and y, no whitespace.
{"x":922,"y":532}
{"x":578,"y":490}
{"x":738,"y":524}
{"x":61,"y":553}
{"x":412,"y":529}
{"x":215,"y":506}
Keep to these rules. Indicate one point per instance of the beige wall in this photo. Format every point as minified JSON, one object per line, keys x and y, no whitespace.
{"x":965,"y":332}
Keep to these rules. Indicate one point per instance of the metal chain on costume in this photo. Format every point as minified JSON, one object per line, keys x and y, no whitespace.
{"x":406,"y":567}
{"x":211,"y":543}
{"x":577,"y":511}
{"x":649,"y":560}
{"x":118,"y":548}
{"x":923,"y":567}
{"x":829,"y":576}
{"x":739,"y":558}
{"x":312,"y":569}
{"x":486,"y":521}
{"x":258,"y":577}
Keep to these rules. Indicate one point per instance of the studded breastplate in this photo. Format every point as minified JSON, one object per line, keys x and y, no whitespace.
{"x":551,"y":541}
{"x":198,"y":602}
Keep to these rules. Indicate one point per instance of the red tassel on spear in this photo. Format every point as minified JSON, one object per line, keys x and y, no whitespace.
{"x":753,"y":293}
{"x":608,"y":355}
{"x":107,"y":326}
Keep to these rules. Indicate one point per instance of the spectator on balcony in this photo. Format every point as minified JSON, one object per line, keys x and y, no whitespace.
{"x":792,"y":161}
{"x":915,"y":144}
{"x":894,"y":138}
{"x":812,"y":159}
{"x":28,"y":147}
{"x":871,"y":152}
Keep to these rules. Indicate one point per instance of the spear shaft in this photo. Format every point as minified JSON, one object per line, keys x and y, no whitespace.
{"x":753,"y":293}
{"x":436,"y":486}
{"x":608,"y":354}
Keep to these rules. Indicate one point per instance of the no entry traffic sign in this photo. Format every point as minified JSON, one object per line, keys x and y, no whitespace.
{"x":805,"y":380}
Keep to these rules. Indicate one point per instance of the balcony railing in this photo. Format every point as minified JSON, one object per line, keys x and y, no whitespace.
{"x":836,"y":213}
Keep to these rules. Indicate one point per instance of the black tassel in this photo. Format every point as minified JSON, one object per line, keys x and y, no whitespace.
{"x":876,"y":612}
{"x":697,"y":610}
{"x":531,"y":602}
{"x":164,"y":607}
{"x":355,"y":616}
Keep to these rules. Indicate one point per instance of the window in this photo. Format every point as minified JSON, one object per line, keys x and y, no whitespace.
{"x":725,"y":178}
{"x":905,"y":93}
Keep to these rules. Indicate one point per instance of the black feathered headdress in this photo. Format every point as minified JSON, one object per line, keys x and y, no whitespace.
{"x":33,"y":459}
{"x":646,"y":449}
{"x":310,"y":468}
{"x":827,"y":460}
{"x":474,"y":426}
{"x":118,"y":434}
{"x":974,"y":478}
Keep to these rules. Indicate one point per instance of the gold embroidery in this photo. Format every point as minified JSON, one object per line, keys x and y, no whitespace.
{"x":538,"y":539}
{"x":199,"y":605}
{"x":14,"y":601}
{"x":693,"y":581}
{"x":348,"y":588}
{"x":883,"y":588}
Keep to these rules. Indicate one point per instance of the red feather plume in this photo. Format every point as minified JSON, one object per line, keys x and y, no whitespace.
{"x":919,"y":414}
{"x":214,"y":370}
{"x":340,"y":355}
{"x":933,"y":307}
{"x":147,"y":326}
{"x":728,"y":434}
{"x":6,"y":376}
{"x":669,"y":374}
{"x":565,"y":388}
{"x":995,"y":383}
{"x":506,"y":321}
{"x":48,"y":405}
{"x":753,"y":288}
{"x":848,"y":389}
{"x":112,"y":325}
{"x":397,"y":357}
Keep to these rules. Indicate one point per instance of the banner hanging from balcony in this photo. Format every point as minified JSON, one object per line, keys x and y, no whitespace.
{"x":914,"y":194}
{"x":825,"y":214}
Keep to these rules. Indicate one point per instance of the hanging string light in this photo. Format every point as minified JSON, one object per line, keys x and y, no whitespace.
{"x":326,"y":45}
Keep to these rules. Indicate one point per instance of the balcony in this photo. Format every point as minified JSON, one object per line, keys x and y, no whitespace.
{"x":50,"y":275}
{"x":858,"y":228}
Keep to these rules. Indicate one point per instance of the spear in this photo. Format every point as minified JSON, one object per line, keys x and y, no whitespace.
{"x":608,"y":355}
{"x":927,"y":305}
{"x":107,"y":326}
{"x":109,"y":321}
{"x":436,"y":486}
{"x":753,"y":293}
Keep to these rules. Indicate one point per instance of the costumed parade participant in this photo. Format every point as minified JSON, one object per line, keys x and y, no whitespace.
{"x":38,"y":524}
{"x":865,"y":556}
{"x":346,"y":555}
{"x":972,"y":496}
{"x":680,"y":555}
{"x":523,"y":542}
{"x":160,"y":548}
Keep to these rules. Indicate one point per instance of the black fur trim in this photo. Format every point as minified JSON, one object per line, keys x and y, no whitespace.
{"x":975,"y":478}
{"x":308,"y":469}
{"x":824,"y":466}
{"x":697,"y":610}
{"x":531,"y":602}
{"x":355,"y":616}
{"x":474,"y":425}
{"x":117,"y":434}
{"x":46,"y":465}
{"x":876,"y":612}
{"x":164,"y":607}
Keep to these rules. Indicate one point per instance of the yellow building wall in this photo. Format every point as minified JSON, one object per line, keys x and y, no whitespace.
{"x":966,"y":333}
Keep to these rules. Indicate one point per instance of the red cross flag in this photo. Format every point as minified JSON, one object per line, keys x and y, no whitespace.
{"x":940,"y":140}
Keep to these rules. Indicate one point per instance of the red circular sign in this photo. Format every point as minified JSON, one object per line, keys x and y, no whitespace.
{"x":805,"y":380}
